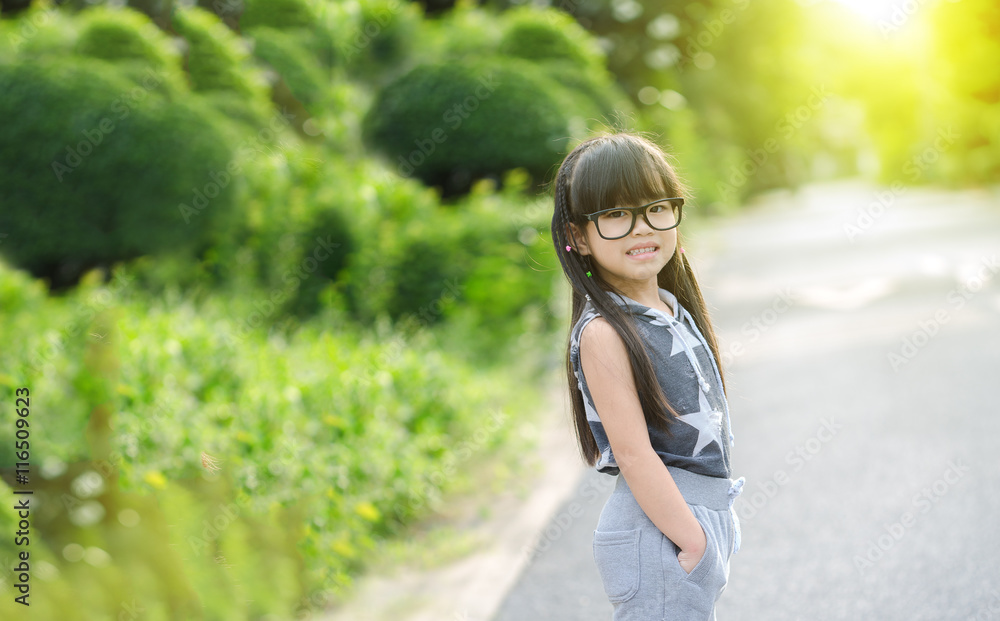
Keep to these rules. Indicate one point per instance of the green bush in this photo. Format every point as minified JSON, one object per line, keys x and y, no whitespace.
{"x":328,"y":440}
{"x":462,"y":32}
{"x":450,"y":123}
{"x":383,"y":38}
{"x":109,"y":168}
{"x":315,"y":26}
{"x":38,"y":31}
{"x":280,"y":14}
{"x":569,"y":55}
{"x":547,"y":35}
{"x":283,"y":53}
{"x":125,"y":37}
{"x":218,"y":60}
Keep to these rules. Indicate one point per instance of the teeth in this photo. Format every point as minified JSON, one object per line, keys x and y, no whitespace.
{"x":641,"y":251}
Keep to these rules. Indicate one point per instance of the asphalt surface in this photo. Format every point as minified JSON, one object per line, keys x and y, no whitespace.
{"x":862,"y":337}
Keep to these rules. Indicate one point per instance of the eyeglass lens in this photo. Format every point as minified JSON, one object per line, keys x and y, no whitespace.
{"x":618,"y":223}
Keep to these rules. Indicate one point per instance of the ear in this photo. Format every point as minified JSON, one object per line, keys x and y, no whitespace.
{"x":581,"y":239}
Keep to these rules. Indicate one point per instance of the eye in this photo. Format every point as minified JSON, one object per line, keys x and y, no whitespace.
{"x":657,"y":208}
{"x":618,"y":213}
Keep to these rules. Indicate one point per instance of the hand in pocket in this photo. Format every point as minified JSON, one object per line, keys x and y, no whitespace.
{"x":688,"y":559}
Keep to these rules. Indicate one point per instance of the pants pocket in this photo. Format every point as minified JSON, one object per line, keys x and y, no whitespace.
{"x":616,"y":553}
{"x":691,"y":596}
{"x":705,"y":566}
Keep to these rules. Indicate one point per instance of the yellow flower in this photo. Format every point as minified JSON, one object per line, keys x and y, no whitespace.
{"x":343,"y":548}
{"x":367,"y":510}
{"x":125,"y":389}
{"x":156,"y":479}
{"x":334,"y":421}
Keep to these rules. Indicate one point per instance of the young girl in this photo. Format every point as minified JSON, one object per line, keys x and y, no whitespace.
{"x":648,"y":396}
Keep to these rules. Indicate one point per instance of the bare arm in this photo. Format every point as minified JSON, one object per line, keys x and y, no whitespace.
{"x":609,"y":377}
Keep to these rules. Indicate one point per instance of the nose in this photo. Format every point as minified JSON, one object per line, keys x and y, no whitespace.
{"x":641,"y":226}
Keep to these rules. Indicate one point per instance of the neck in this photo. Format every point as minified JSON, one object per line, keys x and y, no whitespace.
{"x":646,"y":293}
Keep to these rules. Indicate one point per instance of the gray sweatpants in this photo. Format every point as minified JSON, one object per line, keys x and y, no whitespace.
{"x":638,"y":563}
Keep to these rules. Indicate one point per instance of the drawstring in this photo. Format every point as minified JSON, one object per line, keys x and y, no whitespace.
{"x":734,"y":491}
{"x":725,"y":402}
{"x":705,"y":386}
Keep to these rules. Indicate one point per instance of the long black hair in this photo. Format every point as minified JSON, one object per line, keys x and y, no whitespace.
{"x":609,"y":169}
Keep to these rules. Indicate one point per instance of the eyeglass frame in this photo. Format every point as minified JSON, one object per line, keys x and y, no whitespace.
{"x":635,"y":211}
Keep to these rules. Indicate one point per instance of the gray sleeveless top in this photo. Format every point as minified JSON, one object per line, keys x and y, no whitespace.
{"x":689,"y":376}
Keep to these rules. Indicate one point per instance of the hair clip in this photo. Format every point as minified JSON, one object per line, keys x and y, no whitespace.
{"x":682,"y":249}
{"x":588,"y":274}
{"x":567,"y":248}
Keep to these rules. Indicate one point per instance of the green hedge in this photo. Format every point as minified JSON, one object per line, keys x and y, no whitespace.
{"x":286,"y":56}
{"x":109,"y":166}
{"x":218,"y":60}
{"x":451,"y":122}
{"x":130,"y":39}
{"x":327,"y":440}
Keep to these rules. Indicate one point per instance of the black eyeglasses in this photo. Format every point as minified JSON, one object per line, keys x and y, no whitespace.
{"x":614,"y":224}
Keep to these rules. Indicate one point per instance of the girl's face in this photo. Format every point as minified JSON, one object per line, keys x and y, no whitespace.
{"x":615,"y":259}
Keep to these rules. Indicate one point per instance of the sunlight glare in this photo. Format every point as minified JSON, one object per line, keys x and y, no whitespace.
{"x":873,"y":10}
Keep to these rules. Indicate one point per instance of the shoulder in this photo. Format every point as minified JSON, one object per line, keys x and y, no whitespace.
{"x":598,"y":329}
{"x":600,"y":338}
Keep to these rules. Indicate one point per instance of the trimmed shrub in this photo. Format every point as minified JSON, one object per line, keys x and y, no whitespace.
{"x":108,"y":168}
{"x":568,"y":54}
{"x":280,"y":14}
{"x":546,"y":35}
{"x":283,"y":53}
{"x":384,"y":38}
{"x":449,"y":123}
{"x":312,"y":24}
{"x":218,"y":59}
{"x":128,"y":37}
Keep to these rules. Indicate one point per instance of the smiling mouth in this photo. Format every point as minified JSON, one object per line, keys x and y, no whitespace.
{"x":642,"y":251}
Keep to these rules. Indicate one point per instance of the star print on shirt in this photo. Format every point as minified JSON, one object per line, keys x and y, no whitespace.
{"x":677,"y":346}
{"x":707,"y":421}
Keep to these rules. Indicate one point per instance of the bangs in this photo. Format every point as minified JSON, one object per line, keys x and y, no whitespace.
{"x":620,"y":171}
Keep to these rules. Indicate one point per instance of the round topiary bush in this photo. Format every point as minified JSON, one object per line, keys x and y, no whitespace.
{"x":547,"y":34}
{"x":125,"y":36}
{"x":452,"y":122}
{"x":279,"y":14}
{"x":285,"y":55}
{"x":106,"y":176}
{"x":217,"y":58}
{"x":569,"y":54}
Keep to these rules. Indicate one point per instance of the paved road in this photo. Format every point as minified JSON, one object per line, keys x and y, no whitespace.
{"x":863,"y":331}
